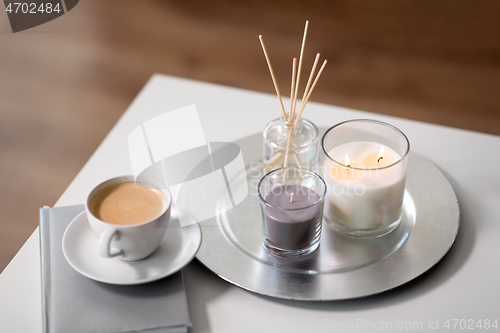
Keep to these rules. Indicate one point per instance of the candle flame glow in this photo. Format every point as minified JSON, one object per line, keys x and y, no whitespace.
{"x":380,"y":154}
{"x":347,"y":162}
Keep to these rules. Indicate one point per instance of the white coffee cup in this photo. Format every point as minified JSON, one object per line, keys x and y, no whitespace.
{"x":133,"y":241}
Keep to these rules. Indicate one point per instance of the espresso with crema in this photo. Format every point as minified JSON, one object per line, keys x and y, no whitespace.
{"x":127,"y":204}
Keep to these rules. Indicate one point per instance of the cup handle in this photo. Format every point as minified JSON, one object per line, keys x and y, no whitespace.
{"x":105,"y":249}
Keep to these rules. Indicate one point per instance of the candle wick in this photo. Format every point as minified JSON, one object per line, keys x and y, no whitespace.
{"x":381,"y":157}
{"x":291,"y":197}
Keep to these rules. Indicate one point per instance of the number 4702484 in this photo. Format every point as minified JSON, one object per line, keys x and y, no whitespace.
{"x":32,"y":8}
{"x":471,"y":324}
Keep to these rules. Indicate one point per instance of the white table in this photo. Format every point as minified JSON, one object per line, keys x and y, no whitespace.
{"x":462,"y":290}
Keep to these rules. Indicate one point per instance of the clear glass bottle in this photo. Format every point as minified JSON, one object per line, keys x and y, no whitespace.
{"x":291,"y":144}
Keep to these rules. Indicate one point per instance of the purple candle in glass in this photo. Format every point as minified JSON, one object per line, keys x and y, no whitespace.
{"x":292,"y":211}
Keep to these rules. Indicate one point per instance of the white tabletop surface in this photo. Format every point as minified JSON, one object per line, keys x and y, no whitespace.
{"x":463,"y":290}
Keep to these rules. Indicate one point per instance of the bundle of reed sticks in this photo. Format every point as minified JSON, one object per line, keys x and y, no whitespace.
{"x":294,"y":115}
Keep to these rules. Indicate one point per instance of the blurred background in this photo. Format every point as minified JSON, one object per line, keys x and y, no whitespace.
{"x":64,"y":84}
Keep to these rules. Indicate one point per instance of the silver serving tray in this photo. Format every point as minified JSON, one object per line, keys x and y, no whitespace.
{"x":342,"y":267}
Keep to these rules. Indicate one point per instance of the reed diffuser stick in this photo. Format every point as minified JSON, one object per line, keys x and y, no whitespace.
{"x":312,"y":88}
{"x":292,"y":89}
{"x":272,"y":75}
{"x":308,"y":86}
{"x":289,"y":124}
{"x":294,"y":100}
{"x":292,"y":111}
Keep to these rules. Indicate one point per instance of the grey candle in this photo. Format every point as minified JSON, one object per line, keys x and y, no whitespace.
{"x":292,"y":211}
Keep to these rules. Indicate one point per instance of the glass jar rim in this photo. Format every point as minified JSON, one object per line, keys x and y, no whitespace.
{"x":321,"y":196}
{"x":378,"y":122}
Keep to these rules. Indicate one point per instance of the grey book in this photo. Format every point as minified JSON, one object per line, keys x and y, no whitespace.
{"x":74,"y":303}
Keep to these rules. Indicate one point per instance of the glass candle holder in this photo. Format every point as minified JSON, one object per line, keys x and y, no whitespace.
{"x":291,"y":202}
{"x":291,"y":144}
{"x":364,"y":166}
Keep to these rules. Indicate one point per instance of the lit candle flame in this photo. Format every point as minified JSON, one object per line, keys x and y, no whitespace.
{"x":380,"y":154}
{"x":347,"y":162}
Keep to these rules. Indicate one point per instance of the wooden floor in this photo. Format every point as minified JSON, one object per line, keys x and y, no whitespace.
{"x":64,"y":84}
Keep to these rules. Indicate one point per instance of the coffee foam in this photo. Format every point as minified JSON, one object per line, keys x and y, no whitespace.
{"x":128,"y":203}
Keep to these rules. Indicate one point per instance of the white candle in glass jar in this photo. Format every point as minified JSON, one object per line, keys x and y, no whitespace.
{"x":363,"y":191}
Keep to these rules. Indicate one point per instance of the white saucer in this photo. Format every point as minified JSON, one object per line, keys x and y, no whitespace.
{"x":177,"y":249}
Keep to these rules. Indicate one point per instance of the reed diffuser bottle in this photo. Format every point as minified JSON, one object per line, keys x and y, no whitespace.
{"x":291,"y":144}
